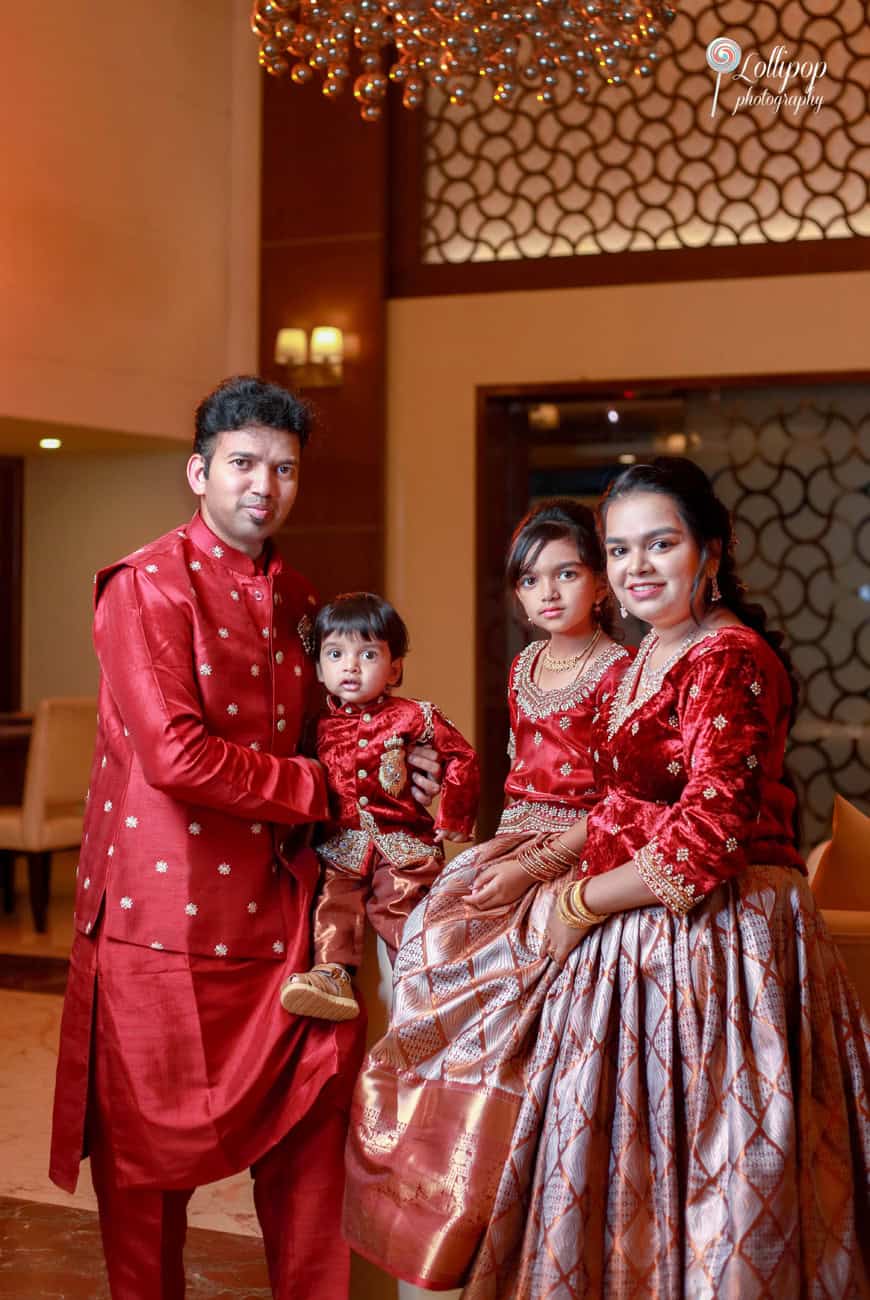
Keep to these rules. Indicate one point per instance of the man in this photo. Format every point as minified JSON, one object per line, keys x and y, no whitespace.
{"x":177,"y":1064}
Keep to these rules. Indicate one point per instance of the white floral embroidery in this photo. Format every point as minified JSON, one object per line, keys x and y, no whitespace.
{"x":232,"y":710}
{"x":255,"y":670}
{"x":195,"y":565}
{"x":161,"y":866}
{"x":126,"y":903}
{"x":256,"y":827}
{"x":158,"y":946}
{"x":674,"y":768}
{"x":205,"y":670}
{"x":234,"y":595}
{"x":694,"y":691}
{"x":731,"y":844}
{"x":217,"y":552}
{"x":194,"y":828}
{"x":719,"y":722}
{"x":682,"y":855}
{"x":673,"y":720}
{"x":709,"y":792}
{"x":751,"y":760}
{"x":255,"y":744}
{"x":605,"y":697}
{"x":635,"y":728}
{"x":107,"y":806}
{"x":191,"y":909}
{"x":595,"y":755}
{"x":223,"y":633}
{"x":584,"y":865}
{"x":615,"y":763}
{"x":518,"y":767}
{"x":224,"y":869}
{"x":278,"y":947}
{"x":565,"y":769}
{"x":252,"y":907}
{"x":264,"y":631}
{"x":150,"y":568}
{"x":110,"y":851}
{"x":131,"y":823}
{"x":755,"y":687}
{"x":220,"y":950}
{"x":564,"y":724}
{"x":615,"y":829}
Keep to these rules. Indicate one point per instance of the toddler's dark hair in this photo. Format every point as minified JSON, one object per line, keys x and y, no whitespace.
{"x":363,"y":614}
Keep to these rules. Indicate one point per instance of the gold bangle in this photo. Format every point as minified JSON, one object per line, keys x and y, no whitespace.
{"x":535,"y":864}
{"x":572,"y":909}
{"x":578,"y":902}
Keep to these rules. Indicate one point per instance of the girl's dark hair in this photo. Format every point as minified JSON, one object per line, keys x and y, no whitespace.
{"x":708,"y":520}
{"x":550,"y":521}
{"x":363,"y":614}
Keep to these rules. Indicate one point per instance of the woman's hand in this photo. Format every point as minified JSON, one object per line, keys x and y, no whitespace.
{"x":498,"y":884}
{"x":562,"y":939}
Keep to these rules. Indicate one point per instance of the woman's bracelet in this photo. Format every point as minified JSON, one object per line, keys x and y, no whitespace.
{"x":533,"y":862}
{"x":547,"y":860}
{"x":573,"y":910}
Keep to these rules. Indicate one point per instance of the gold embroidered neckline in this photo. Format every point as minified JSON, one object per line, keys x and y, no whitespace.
{"x":638,"y":686}
{"x":536,"y":702}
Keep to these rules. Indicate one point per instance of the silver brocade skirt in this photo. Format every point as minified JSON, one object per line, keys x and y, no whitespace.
{"x":683,"y":1109}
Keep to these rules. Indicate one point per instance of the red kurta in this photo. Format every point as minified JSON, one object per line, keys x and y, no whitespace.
{"x":378,"y":849}
{"x":182,"y":871}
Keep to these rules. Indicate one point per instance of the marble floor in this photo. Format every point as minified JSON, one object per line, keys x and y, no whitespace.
{"x":49,"y":1241}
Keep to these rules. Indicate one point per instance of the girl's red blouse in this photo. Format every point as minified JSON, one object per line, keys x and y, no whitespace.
{"x":550,"y":782}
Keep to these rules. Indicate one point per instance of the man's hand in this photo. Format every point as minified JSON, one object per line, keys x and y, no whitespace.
{"x":426,"y":773}
{"x":498,"y":884}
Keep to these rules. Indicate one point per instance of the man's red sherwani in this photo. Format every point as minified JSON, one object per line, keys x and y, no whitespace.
{"x":192,"y":902}
{"x":378,"y":847}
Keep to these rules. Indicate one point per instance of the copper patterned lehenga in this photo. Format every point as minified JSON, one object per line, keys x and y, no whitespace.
{"x":682,"y":1109}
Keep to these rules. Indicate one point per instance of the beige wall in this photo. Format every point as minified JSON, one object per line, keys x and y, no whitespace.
{"x":129,"y":212}
{"x":82,"y":512}
{"x":441,"y":349}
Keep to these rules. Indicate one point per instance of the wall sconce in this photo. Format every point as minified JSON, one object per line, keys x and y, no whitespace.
{"x":317,"y":362}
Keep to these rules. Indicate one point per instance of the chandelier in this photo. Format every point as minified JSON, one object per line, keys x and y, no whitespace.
{"x":451,"y":44}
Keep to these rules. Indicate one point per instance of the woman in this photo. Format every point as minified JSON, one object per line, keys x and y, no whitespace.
{"x":703,"y":1126}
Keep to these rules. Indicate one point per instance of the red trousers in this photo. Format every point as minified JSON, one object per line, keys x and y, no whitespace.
{"x":298,"y":1188}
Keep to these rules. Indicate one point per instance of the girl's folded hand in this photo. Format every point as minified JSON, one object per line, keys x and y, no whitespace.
{"x":498,"y":884}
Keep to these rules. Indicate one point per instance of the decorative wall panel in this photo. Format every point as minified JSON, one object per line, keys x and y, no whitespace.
{"x":649,"y":165}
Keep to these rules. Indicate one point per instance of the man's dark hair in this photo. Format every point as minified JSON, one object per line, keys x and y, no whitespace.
{"x":246,"y":400}
{"x":361,"y":613}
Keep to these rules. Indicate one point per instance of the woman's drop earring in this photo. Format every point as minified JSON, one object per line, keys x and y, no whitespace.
{"x":715,"y":593}
{"x":623,"y":612}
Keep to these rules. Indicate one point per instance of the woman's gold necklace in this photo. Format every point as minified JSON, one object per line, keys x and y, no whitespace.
{"x":570,"y":661}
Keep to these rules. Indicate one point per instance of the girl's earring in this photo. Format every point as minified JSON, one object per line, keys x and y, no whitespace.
{"x":715,"y":593}
{"x":623,"y":612}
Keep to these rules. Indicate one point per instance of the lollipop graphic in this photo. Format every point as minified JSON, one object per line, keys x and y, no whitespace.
{"x":723,"y":55}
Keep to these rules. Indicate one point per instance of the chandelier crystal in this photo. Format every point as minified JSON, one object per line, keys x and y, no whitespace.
{"x":449,"y":44}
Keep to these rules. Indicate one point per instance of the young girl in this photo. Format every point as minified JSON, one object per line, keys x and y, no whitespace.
{"x":698,"y":1125}
{"x":381,"y":851}
{"x":441,"y":1093}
